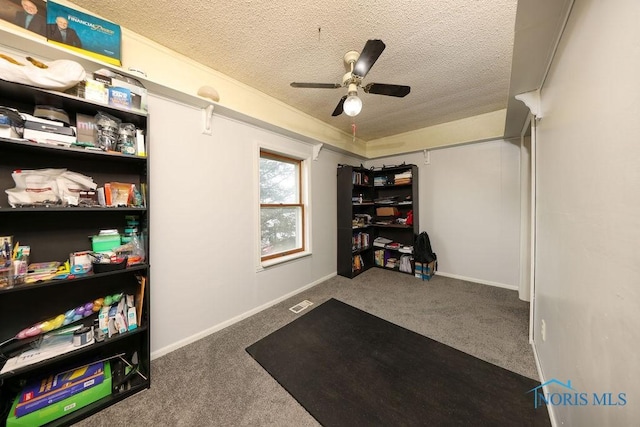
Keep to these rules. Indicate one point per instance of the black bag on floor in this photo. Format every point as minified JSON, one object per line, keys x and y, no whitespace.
{"x":423,"y":253}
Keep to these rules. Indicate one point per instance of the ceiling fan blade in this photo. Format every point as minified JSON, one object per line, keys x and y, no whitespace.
{"x":316,"y":85}
{"x":369,"y":55}
{"x":339,"y":108}
{"x":389,"y":90}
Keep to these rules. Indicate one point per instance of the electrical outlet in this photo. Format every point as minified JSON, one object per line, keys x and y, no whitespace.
{"x":543,"y":330}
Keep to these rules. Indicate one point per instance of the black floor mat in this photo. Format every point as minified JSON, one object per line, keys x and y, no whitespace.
{"x":348,"y":367}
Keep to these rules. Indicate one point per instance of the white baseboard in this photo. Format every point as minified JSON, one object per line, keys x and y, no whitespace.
{"x":545,"y":389}
{"x":482,"y":282}
{"x":220,"y":326}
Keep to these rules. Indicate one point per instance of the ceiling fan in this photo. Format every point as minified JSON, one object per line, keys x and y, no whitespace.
{"x":359,"y":65}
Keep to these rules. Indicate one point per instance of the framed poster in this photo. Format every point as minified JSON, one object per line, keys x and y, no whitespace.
{"x":84,"y":33}
{"x":28,"y":14}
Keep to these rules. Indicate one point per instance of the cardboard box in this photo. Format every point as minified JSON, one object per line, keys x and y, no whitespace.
{"x":425,"y":271}
{"x":91,"y":90}
{"x":95,"y":91}
{"x":138,"y":94}
{"x":387,"y":211}
{"x":86,"y":127}
{"x":54,"y":388}
{"x":120,"y":97}
{"x":63,"y":407}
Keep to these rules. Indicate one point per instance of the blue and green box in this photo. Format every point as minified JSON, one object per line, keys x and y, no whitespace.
{"x":62,"y":407}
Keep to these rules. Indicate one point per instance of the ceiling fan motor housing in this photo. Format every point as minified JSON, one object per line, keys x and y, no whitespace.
{"x":350,"y":79}
{"x":358,"y":65}
{"x":350,"y":58}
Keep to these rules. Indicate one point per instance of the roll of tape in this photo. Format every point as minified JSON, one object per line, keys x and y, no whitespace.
{"x":82,"y":336}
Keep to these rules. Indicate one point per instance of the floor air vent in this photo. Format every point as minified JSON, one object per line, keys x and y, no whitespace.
{"x":301,"y":306}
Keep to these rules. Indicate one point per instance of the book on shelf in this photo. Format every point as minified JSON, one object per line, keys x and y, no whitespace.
{"x":359,"y":178}
{"x":386,"y":200}
{"x":357,"y":264}
{"x":360,"y":241}
{"x":402,"y":178}
{"x":379,"y":181}
{"x":381,"y":242}
{"x":392,"y":245}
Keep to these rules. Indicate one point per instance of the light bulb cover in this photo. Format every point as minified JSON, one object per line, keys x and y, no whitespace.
{"x":352,"y":105}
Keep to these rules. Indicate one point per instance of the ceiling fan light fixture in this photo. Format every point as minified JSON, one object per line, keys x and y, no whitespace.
{"x":352,"y":105}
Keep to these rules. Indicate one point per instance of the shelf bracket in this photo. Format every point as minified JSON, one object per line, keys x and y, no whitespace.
{"x":207,"y":117}
{"x":532,"y":101}
{"x":316,"y":151}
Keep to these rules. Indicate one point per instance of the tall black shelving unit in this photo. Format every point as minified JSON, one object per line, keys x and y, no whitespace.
{"x":355,"y":215}
{"x":53,"y":232}
{"x":398,"y":184}
{"x":393,"y":188}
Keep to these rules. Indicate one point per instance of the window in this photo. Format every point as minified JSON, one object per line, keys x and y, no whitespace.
{"x":282,"y":211}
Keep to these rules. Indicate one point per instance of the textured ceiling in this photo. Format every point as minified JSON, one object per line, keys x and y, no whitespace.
{"x":455,"y":54}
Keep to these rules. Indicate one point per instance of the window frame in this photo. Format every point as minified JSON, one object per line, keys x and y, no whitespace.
{"x":302,"y":204}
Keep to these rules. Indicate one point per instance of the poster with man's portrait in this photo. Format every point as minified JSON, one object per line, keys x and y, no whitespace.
{"x":28,"y":14}
{"x":83,"y":32}
{"x":67,"y":27}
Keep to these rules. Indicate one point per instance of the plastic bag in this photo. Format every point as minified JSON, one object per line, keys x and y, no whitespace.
{"x":54,"y":186}
{"x":133,"y":250}
{"x":58,"y":75}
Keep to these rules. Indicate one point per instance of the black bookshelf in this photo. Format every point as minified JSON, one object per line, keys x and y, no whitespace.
{"x":358,"y":195}
{"x":355,"y":214}
{"x":52,"y":233}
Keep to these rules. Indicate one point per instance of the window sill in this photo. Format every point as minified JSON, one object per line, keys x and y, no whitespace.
{"x":282,"y":259}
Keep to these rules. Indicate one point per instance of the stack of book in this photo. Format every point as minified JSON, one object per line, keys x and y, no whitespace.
{"x":381,"y":242}
{"x":46,"y":131}
{"x":402,"y":178}
{"x":386,"y":200}
{"x":393,"y":245}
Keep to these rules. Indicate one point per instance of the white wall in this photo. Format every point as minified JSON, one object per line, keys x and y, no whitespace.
{"x":204,"y":232}
{"x":470,"y":206}
{"x":588,"y":213}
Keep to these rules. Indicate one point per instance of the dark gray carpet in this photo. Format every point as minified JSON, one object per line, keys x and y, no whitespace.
{"x":233,"y":390}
